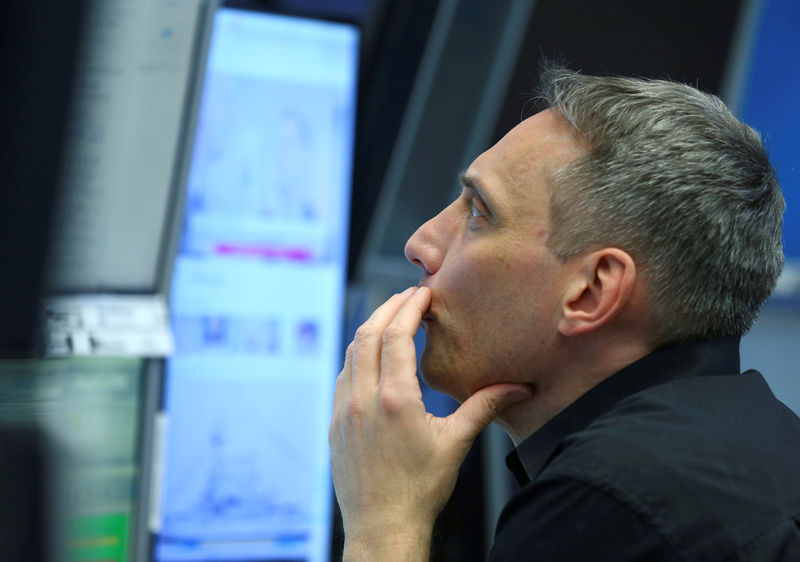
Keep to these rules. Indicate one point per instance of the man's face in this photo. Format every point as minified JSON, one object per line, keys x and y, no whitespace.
{"x":496,"y":287}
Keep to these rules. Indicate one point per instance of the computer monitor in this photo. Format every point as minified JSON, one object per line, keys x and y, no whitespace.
{"x":123,"y":142}
{"x":257,"y":294}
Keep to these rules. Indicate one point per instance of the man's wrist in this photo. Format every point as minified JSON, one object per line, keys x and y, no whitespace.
{"x":412,"y":543}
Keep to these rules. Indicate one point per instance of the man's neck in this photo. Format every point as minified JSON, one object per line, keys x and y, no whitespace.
{"x":582,"y":370}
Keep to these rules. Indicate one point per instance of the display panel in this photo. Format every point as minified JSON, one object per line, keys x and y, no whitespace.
{"x":257,"y":294}
{"x":90,"y":412}
{"x":122,"y":142}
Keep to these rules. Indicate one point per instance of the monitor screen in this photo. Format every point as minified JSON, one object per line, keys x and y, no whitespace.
{"x":258,"y":294}
{"x":123,"y":141}
{"x":90,"y":413}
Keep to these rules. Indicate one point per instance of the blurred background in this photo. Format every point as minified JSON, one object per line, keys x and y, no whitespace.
{"x":201,"y":201}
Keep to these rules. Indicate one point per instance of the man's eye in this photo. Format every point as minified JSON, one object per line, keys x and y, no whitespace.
{"x":476,"y":212}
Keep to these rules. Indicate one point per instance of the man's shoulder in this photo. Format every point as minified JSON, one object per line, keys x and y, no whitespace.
{"x":715,"y":451}
{"x":687,"y":429}
{"x":708,"y":412}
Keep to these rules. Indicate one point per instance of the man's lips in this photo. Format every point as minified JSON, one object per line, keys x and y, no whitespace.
{"x":428,"y":316}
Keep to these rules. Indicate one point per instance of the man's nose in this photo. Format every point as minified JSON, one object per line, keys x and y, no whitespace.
{"x":425,"y":247}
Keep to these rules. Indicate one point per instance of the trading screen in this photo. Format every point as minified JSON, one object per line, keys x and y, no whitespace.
{"x":258,"y":294}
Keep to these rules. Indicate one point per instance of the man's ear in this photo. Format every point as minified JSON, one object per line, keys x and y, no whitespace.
{"x":601,"y":287}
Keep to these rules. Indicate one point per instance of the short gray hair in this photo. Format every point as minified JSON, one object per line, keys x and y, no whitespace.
{"x":673,"y":178}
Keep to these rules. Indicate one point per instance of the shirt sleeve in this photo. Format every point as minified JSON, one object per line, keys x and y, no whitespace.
{"x":560,"y":519}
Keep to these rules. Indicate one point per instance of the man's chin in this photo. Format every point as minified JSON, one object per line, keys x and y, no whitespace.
{"x":439,"y":377}
{"x":428,"y":372}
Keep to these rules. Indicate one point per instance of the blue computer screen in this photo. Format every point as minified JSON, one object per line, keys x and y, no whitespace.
{"x":258,"y":294}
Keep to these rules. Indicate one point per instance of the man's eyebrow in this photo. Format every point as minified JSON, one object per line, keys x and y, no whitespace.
{"x":471,"y":182}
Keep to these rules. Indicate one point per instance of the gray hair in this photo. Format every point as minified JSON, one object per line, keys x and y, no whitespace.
{"x":674,"y":179}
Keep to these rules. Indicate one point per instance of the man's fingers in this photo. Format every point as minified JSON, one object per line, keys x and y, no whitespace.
{"x":398,"y":354}
{"x":481,"y":408}
{"x":367,"y":342}
{"x":344,"y":381}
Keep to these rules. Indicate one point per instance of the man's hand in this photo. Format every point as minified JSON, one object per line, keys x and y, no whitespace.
{"x":394,"y":464}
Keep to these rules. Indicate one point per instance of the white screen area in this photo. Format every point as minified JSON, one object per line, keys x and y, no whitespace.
{"x":258,"y":294}
{"x":124,"y":133}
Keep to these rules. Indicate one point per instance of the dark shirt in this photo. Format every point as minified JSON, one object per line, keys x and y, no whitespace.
{"x":675,"y":457}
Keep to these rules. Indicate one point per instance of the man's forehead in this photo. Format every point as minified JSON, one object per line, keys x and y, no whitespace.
{"x":528,"y":152}
{"x":546,"y":133}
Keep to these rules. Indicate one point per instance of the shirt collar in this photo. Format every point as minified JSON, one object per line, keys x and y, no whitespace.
{"x":716,"y":357}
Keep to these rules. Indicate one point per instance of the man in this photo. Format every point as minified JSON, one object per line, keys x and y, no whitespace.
{"x":586,"y":291}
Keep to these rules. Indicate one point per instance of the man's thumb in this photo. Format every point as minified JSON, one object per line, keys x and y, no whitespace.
{"x":481,"y":408}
